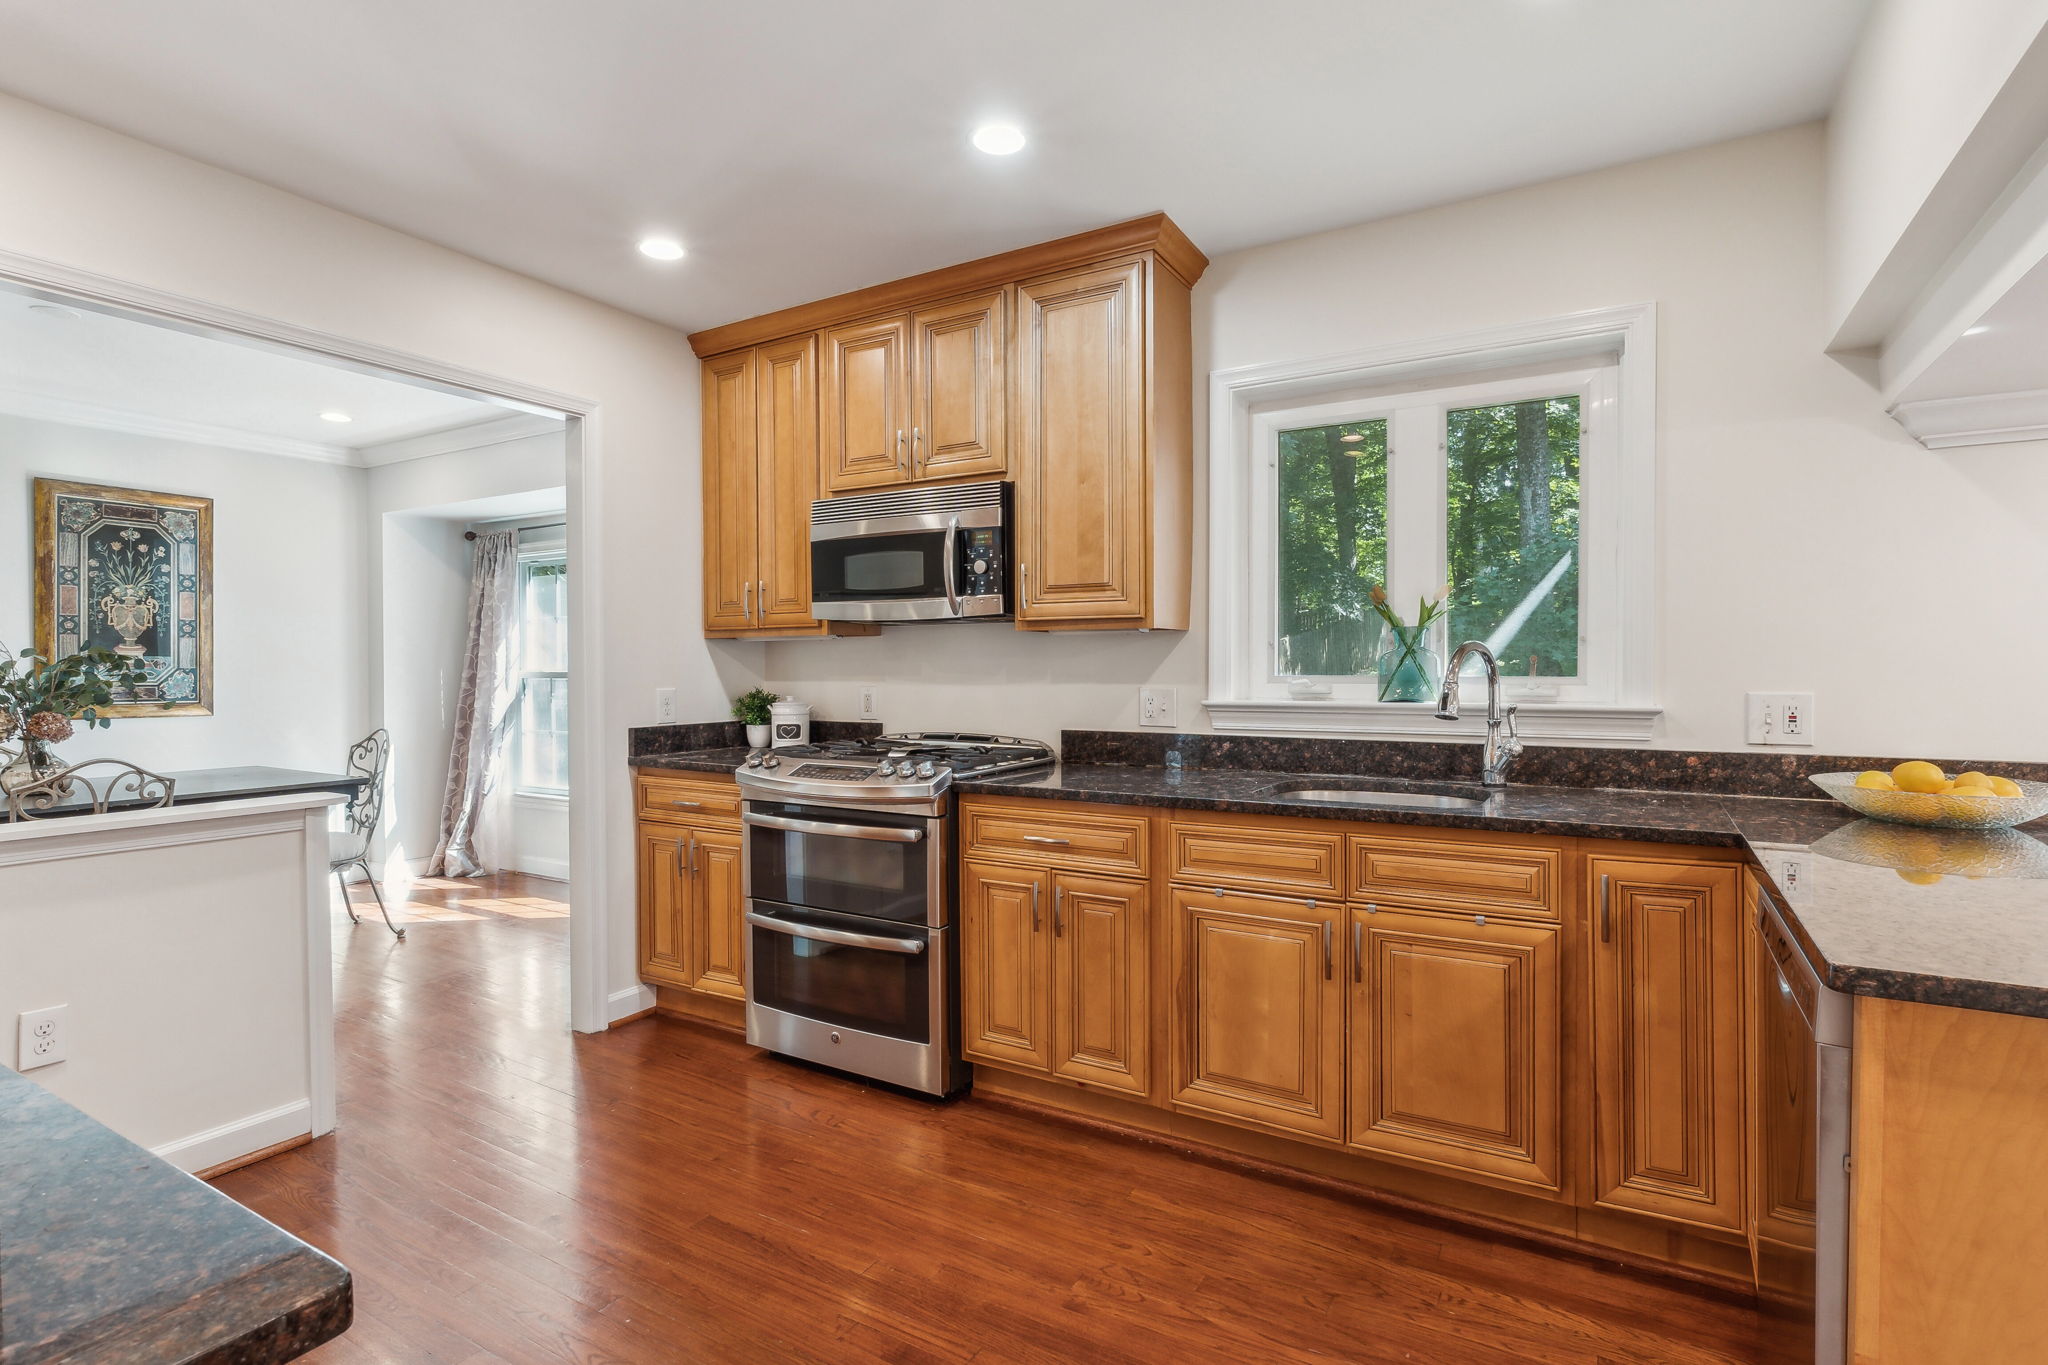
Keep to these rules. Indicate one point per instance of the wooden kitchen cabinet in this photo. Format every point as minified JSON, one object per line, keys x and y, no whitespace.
{"x":1455,"y":1045}
{"x":716,"y":944}
{"x":662,"y":866}
{"x":732,"y":521}
{"x":1667,"y":1038}
{"x":916,"y":396}
{"x":1258,"y":1011}
{"x":1005,"y":966}
{"x":865,"y":412}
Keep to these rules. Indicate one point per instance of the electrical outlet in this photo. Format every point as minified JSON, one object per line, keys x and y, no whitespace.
{"x":868,"y":709}
{"x":1159,"y":706}
{"x":664,"y":706}
{"x":1780,"y":717}
{"x":44,"y":1039}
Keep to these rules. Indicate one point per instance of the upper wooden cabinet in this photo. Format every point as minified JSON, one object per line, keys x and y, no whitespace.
{"x":1667,"y":1038}
{"x":1064,"y":366}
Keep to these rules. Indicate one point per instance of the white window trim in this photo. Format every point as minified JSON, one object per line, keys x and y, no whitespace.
{"x":1243,"y":403}
{"x":550,"y":552}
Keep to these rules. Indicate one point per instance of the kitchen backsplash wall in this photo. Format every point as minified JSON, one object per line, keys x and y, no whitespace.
{"x":1805,"y":542}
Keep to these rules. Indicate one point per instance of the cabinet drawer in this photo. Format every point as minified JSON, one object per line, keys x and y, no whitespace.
{"x":1511,"y":879}
{"x":1256,"y":855}
{"x":1083,"y":838}
{"x":687,"y":798}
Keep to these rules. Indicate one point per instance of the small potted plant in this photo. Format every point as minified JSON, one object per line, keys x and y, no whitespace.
{"x":1410,"y":668}
{"x":750,"y":709}
{"x":40,"y":698}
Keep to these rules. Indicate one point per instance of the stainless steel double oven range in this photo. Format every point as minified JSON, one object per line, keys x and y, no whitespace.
{"x":852,"y":951}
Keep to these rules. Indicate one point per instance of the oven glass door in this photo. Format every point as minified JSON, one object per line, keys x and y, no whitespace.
{"x":896,"y":566}
{"x":871,"y":864}
{"x":842,"y":971}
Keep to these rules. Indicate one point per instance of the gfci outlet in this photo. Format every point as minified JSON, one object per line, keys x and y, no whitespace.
{"x":664,"y":706}
{"x":869,"y":710}
{"x":1159,"y":706}
{"x":44,"y":1039}
{"x":1780,"y":718}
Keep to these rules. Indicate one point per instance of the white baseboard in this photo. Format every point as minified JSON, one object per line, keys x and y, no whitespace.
{"x":631,"y":1000}
{"x":239,"y":1138}
{"x":555,"y":868}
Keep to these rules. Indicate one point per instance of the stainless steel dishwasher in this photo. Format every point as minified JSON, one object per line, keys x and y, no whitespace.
{"x":1800,"y":1187}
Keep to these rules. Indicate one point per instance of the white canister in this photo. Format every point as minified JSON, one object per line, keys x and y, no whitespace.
{"x":792,"y":722}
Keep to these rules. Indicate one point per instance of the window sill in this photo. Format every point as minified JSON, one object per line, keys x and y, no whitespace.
{"x":1534,"y":719}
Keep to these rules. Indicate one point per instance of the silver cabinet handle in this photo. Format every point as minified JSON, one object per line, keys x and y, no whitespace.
{"x":916,"y":440}
{"x":687,"y":805}
{"x":693,"y":854}
{"x":1042,"y":839}
{"x":761,"y":599}
{"x":747,"y":600}
{"x":812,"y":931}
{"x":1059,"y":896}
{"x":1358,"y":950}
{"x":950,"y":553}
{"x":1034,"y":907}
{"x":888,"y":834}
{"x":681,"y":871}
{"x":1329,"y":963}
{"x":902,"y":456}
{"x":1606,"y":908}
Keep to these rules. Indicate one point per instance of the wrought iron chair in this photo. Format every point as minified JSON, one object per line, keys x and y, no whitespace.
{"x":369,"y":759}
{"x":90,"y":787}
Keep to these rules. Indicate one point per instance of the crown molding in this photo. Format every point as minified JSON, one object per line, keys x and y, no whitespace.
{"x":44,"y":408}
{"x":448,"y":441}
{"x":1977,"y":420}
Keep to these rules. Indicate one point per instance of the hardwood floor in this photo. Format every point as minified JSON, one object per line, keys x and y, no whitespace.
{"x":505,"y":1191}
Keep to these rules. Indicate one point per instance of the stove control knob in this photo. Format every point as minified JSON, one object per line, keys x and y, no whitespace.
{"x":926,"y":768}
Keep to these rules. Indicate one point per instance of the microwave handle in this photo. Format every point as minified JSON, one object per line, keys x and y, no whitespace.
{"x":951,"y":555}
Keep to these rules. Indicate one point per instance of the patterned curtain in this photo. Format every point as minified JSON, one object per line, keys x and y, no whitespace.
{"x":484,"y":710}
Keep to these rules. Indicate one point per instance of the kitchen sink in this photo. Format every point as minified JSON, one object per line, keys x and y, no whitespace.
{"x":1414,"y":795}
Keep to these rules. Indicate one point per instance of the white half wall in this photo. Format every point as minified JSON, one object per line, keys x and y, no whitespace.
{"x":290,"y":618}
{"x":1804,"y":541}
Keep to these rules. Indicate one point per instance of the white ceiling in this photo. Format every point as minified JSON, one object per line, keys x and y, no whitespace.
{"x":92,"y":369}
{"x":810,"y":146}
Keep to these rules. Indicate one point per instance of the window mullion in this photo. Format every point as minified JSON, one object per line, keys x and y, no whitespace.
{"x":1415,"y":550}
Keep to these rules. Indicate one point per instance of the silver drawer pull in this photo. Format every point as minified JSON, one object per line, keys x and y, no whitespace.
{"x":1041,"y":839}
{"x":812,"y":931}
{"x":687,"y":805}
{"x":888,"y":834}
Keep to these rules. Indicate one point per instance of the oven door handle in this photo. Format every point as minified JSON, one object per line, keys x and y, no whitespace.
{"x":795,"y":930}
{"x":888,"y":834}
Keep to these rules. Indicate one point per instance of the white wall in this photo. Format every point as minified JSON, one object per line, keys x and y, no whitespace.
{"x":1804,"y":541}
{"x":98,"y":201}
{"x":289,"y":616}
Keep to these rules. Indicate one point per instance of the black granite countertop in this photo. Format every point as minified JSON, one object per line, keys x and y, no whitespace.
{"x":1941,"y":917}
{"x":201,"y":785}
{"x":110,"y":1255}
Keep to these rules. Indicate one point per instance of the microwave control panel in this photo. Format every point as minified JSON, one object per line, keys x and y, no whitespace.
{"x":981,"y":562}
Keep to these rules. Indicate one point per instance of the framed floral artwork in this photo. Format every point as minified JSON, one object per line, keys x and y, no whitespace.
{"x":121,"y":569}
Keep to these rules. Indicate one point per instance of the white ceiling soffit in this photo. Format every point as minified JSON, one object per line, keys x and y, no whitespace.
{"x":87,"y":368}
{"x":798,"y":150}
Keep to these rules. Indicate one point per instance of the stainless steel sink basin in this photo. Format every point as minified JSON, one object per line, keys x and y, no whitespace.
{"x":1337,"y":792}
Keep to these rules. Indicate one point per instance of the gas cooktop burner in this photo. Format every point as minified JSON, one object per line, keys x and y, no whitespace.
{"x":886,"y":770}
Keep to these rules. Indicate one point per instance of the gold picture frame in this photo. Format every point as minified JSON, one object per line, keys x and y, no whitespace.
{"x":131,"y":571}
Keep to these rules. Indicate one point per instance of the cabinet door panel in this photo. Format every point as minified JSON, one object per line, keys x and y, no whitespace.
{"x":1082,"y":490}
{"x":864,"y":418}
{"x":1258,"y":1014}
{"x":1667,"y":1038}
{"x":664,"y":904}
{"x":1006,"y":966}
{"x":716,"y":943}
{"x":731,"y":527}
{"x":1454,"y":1045}
{"x":957,"y":386}
{"x":787,"y":479}
{"x":1101,"y":971}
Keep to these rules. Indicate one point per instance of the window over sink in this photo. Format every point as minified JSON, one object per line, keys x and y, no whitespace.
{"x":1519,"y":474}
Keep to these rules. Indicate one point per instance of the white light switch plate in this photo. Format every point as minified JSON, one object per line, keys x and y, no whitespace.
{"x":1159,"y":706}
{"x":43,"y":1038}
{"x":1779,"y":718}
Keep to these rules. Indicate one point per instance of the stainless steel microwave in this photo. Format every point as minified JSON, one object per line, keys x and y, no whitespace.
{"x":913,"y":554}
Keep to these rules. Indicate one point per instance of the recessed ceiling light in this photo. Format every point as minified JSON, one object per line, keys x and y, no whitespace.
{"x":661,"y":248}
{"x":55,"y":310}
{"x":1979,"y":329}
{"x":336,"y":417}
{"x":999,"y":139}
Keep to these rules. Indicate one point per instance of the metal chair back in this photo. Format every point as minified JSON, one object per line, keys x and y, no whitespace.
{"x":93,"y":786}
{"x":369,"y":758}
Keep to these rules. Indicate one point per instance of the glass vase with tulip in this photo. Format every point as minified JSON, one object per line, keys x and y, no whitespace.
{"x":1410,"y":666}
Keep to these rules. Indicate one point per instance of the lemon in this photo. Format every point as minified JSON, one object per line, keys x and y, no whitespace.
{"x":1918,"y":776}
{"x":1970,"y":789}
{"x":1972,"y":779}
{"x":2004,"y":786}
{"x":1919,"y":878}
{"x":1877,"y":781}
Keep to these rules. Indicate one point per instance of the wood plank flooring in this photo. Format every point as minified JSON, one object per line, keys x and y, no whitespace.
{"x":505,"y":1191}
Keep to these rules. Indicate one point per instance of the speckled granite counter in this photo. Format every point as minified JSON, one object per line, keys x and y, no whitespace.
{"x":1882,"y":910}
{"x":108,"y":1254}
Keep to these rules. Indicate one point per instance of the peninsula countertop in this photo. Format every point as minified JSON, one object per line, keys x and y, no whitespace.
{"x":1934,"y":916}
{"x":109,"y":1254}
{"x":200,"y":785}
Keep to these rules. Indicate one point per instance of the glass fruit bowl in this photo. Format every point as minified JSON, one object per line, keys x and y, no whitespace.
{"x":1937,"y":810}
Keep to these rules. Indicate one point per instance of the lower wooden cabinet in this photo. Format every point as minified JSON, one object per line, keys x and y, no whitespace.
{"x":1054,"y":971}
{"x":692,"y":932}
{"x":1455,"y":1045}
{"x":1258,"y":1011}
{"x":1667,"y":1038}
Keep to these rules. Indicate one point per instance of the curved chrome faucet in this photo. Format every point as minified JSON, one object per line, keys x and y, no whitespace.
{"x":1501,"y":748}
